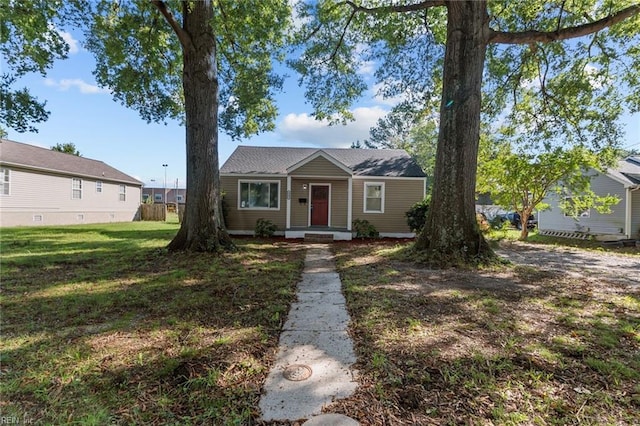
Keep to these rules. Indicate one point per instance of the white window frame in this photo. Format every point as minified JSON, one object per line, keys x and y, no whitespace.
{"x":254,"y":181}
{"x":99,"y":186}
{"x":583,"y":215}
{"x":157,"y":197}
{"x":75,"y":188}
{"x":364,"y":197}
{"x":122,"y":192}
{"x":6,"y":181}
{"x":179,"y":198}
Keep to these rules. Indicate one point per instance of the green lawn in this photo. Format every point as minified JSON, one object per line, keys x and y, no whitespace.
{"x":101,"y":325}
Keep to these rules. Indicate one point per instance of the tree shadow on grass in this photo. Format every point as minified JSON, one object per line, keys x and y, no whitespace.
{"x":504,"y":345}
{"x":139,"y":335}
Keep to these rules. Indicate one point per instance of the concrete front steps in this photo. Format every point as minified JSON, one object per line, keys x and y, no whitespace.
{"x":318,"y":238}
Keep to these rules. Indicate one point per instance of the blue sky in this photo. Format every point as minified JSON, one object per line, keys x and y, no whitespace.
{"x":102,"y":129}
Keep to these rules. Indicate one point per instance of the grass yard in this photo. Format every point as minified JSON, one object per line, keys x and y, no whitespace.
{"x":100,"y":325}
{"x":510,"y":346}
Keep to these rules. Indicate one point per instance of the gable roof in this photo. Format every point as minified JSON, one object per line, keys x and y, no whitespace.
{"x":43,"y":159}
{"x":320,"y":154}
{"x":247,"y":160}
{"x":627,"y":172}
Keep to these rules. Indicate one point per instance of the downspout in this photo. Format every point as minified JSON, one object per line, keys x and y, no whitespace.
{"x":288,"y":212}
{"x":628,"y":211}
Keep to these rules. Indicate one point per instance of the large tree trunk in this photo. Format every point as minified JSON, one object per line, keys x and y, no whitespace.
{"x":203,"y":226}
{"x":451,"y":233}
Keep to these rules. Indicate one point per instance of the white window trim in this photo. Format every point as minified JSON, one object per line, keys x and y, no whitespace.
{"x":8,"y":182}
{"x":250,"y":181}
{"x":73,"y":188}
{"x":364,"y":197}
{"x":99,"y":186}
{"x":158,"y":197}
{"x":122,"y":192}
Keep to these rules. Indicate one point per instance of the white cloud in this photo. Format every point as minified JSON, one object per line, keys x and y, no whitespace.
{"x":74,"y":45}
{"x":303,"y":128}
{"x":67,"y":83}
{"x":367,"y":68}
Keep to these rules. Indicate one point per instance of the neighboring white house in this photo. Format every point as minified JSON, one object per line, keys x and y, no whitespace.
{"x":39,"y":186}
{"x":624,"y":220}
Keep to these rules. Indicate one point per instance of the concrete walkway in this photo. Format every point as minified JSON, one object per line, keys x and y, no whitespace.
{"x":315,"y":355}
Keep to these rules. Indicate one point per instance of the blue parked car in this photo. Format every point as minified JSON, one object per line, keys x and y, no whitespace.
{"x":514,"y":219}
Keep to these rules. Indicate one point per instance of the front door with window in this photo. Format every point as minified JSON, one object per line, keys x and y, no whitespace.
{"x":319,"y":205}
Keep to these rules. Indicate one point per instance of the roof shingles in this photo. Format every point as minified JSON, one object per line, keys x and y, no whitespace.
{"x":363,"y":162}
{"x":37,"y":158}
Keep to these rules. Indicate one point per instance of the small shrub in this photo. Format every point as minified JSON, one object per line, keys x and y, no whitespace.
{"x":364,"y":229}
{"x":264,"y":228}
{"x":497,"y":222}
{"x":417,"y":214}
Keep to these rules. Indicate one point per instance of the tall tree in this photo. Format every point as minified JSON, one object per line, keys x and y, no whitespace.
{"x":67,"y":148}
{"x":402,"y":129}
{"x":190,"y":60}
{"x":516,"y":49}
{"x":184,"y":60}
{"x":30,"y":41}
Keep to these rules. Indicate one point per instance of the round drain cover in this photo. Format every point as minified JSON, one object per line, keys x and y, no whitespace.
{"x":297,"y":372}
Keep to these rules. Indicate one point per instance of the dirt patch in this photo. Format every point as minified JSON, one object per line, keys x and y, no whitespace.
{"x":552,"y":338}
{"x":588,"y":264}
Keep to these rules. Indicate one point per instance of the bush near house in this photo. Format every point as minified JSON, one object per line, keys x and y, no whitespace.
{"x":417,"y":214}
{"x":264,"y":228}
{"x":364,"y":229}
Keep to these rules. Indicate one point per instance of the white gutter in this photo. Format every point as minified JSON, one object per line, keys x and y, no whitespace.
{"x":288,"y":221}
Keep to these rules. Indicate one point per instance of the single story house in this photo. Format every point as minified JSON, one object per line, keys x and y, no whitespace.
{"x":40,"y":186}
{"x":320,"y":191}
{"x":624,"y":220}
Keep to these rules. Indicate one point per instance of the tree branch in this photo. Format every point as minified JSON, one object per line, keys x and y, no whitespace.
{"x":342,"y":36}
{"x":525,"y":37}
{"x":183,"y":36}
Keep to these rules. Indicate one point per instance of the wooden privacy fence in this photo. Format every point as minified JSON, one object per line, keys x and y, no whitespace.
{"x":153,"y":212}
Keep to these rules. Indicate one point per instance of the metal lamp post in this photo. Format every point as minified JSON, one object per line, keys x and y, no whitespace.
{"x":164,"y":188}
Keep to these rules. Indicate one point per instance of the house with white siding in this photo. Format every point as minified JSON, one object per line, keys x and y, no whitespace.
{"x":307,"y":191}
{"x":624,"y":220}
{"x":39,"y":186}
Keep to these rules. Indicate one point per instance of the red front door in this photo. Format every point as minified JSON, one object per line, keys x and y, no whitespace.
{"x":319,"y":205}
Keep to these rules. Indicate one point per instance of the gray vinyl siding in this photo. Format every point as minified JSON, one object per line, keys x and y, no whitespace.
{"x":49,"y":196}
{"x":635,"y":213}
{"x":338,"y":195}
{"x":245,"y":220}
{"x":612,"y":224}
{"x":400,"y":195}
{"x":319,"y":167}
